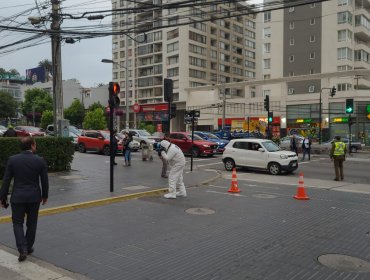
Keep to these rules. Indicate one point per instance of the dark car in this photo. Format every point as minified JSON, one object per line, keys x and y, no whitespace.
{"x":213,"y":138}
{"x":197,"y":148}
{"x":29,"y":131}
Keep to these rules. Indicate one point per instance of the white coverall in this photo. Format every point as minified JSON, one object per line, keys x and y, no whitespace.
{"x":176,"y":162}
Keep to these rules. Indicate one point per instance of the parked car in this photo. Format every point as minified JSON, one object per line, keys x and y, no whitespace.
{"x":285,"y":142}
{"x":29,"y":131}
{"x":159,"y":135}
{"x":259,"y":154}
{"x":355,"y":146}
{"x":221,"y":143}
{"x":134,"y":145}
{"x":96,"y":140}
{"x":2,"y":130}
{"x":197,"y":148}
{"x":142,"y":136}
{"x":75,"y":130}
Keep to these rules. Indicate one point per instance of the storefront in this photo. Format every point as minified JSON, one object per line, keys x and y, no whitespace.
{"x":157,"y":114}
{"x":304,"y":127}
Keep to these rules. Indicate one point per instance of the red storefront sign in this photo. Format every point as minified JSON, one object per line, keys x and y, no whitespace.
{"x":228,"y":121}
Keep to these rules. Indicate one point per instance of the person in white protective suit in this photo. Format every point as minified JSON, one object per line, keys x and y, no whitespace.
{"x":176,"y":162}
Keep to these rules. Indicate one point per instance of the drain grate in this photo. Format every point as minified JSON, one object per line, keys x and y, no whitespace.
{"x":200,"y":211}
{"x":344,"y":263}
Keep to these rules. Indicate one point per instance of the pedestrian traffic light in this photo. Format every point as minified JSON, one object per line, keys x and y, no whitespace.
{"x":333,"y":90}
{"x":270,"y":117}
{"x":168,"y":90}
{"x":114,"y":90}
{"x":349,"y":106}
{"x":173,"y":111}
{"x":267,"y":103}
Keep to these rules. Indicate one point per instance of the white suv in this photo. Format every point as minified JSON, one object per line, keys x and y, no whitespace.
{"x":142,"y":136}
{"x":259,"y":154}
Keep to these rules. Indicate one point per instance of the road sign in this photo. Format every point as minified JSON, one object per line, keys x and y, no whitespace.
{"x":136,"y":108}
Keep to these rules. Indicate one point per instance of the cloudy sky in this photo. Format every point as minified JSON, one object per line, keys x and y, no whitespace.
{"x":81,"y":60}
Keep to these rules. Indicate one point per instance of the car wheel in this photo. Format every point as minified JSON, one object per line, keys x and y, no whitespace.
{"x":81,"y":148}
{"x":353,"y":150}
{"x":106,"y":150}
{"x":229,"y":164}
{"x":274,"y":168}
{"x":195,"y":151}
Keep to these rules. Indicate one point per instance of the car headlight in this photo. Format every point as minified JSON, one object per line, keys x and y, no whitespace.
{"x":283,"y":156}
{"x":205,"y":145}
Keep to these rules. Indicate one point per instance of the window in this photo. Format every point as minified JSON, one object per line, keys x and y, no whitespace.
{"x":312,"y":55}
{"x":291,"y":58}
{"x":291,"y":25}
{"x":291,"y":41}
{"x":312,"y":21}
{"x":266,"y":76}
{"x":344,"y":67}
{"x":197,"y":74}
{"x":344,"y":17}
{"x":197,"y":37}
{"x":197,"y":49}
{"x":267,"y":32}
{"x":312,"y":38}
{"x":266,"y":92}
{"x":311,"y":89}
{"x":267,"y":16}
{"x":267,"y":63}
{"x":173,"y":72}
{"x":197,"y":61}
{"x":172,"y":47}
{"x":173,"y":60}
{"x":344,"y":87}
{"x":253,"y":93}
{"x":290,"y":90}
{"x":173,"y":34}
{"x":291,"y":73}
{"x":345,"y":35}
{"x":344,"y":2}
{"x":344,"y":53}
{"x":266,"y":47}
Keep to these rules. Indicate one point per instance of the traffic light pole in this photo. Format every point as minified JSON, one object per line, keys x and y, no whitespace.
{"x":350,"y":133}
{"x":192,"y":141}
{"x":111,"y":150}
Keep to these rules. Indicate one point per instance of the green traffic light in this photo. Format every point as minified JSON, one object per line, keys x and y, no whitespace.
{"x":270,"y":119}
{"x":349,"y":110}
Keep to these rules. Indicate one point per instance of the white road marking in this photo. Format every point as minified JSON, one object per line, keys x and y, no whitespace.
{"x":221,"y":187}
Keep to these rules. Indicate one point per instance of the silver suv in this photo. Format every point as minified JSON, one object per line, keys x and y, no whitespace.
{"x":142,"y":136}
{"x":259,"y":154}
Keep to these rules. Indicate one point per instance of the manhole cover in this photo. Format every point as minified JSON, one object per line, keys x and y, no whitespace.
{"x":200,"y":211}
{"x":344,"y":263}
{"x":263,"y":195}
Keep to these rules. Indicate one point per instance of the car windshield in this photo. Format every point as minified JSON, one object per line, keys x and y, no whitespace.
{"x":74,"y":130}
{"x":32,"y":129}
{"x":105,"y":134}
{"x":212,"y":136}
{"x":143,"y":133}
{"x":271,"y":146}
{"x":196,"y":137}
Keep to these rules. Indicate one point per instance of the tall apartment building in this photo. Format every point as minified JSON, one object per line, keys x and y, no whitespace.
{"x":196,"y":54}
{"x":318,"y":38}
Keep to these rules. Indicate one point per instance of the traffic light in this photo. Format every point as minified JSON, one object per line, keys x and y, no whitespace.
{"x":270,"y":117}
{"x":168,"y":90}
{"x":173,"y":111}
{"x":333,"y":90}
{"x":114,"y":90}
{"x":267,"y":103}
{"x":349,"y":106}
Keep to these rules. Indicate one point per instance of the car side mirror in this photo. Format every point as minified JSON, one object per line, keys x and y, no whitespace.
{"x":261,"y":149}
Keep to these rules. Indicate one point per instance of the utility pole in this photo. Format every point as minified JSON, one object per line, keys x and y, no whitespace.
{"x":127,"y":126}
{"x":56,"y":55}
{"x":223,"y":104}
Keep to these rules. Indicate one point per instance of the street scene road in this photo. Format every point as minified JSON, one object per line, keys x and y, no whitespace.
{"x":260,"y":233}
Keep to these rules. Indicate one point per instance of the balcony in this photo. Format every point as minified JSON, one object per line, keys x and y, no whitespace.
{"x":362,"y":33}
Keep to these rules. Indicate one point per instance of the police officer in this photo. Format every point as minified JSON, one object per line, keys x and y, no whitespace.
{"x":338,"y":154}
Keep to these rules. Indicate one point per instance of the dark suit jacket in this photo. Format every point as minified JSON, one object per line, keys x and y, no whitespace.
{"x":27,"y":170}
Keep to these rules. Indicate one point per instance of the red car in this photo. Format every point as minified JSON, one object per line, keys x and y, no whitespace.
{"x":96,"y":140}
{"x":29,"y":131}
{"x":197,"y":148}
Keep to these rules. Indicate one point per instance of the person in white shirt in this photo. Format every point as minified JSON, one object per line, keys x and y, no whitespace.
{"x":306,"y":148}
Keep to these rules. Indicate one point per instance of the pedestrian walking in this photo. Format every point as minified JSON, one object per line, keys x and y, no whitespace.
{"x":338,"y":155}
{"x":127,"y":141}
{"x":306,"y":148}
{"x":293,"y":144}
{"x":10,"y":132}
{"x":27,"y":170}
{"x":176,"y":161}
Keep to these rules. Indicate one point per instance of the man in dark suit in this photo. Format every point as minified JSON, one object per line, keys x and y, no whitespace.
{"x":28,"y":170}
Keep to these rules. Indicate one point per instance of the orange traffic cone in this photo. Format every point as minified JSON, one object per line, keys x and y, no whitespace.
{"x":301,"y":193}
{"x":234,"y":183}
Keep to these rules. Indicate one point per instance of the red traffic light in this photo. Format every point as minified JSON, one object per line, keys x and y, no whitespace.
{"x":114,"y":88}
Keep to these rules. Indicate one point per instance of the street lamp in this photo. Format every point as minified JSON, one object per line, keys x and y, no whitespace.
{"x":126,"y":89}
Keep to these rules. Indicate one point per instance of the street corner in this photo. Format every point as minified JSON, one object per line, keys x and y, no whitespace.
{"x":200,"y":176}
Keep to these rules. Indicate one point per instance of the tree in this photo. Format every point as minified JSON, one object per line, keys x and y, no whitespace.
{"x":46,"y":118}
{"x":8,"y":105}
{"x":14,"y":72}
{"x":95,"y":120}
{"x":75,"y":113}
{"x":47,"y":64}
{"x":36,"y":101}
{"x":96,"y":105}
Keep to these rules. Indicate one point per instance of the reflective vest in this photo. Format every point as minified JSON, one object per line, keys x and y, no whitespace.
{"x":339,"y":148}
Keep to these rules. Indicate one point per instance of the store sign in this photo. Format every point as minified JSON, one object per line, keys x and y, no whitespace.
{"x":340,"y":120}
{"x":304,"y":121}
{"x":368,"y":108}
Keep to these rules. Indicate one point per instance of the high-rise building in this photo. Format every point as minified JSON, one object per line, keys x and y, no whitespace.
{"x":222,"y":50}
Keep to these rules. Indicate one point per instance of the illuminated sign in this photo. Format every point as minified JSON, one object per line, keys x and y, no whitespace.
{"x":368,"y":109}
{"x":340,"y":120}
{"x":303,"y":120}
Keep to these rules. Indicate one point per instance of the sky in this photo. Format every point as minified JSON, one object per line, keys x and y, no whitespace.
{"x":81,"y":61}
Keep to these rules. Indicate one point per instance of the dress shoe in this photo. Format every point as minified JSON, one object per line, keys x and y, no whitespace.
{"x":30,"y":251}
{"x":22,"y":256}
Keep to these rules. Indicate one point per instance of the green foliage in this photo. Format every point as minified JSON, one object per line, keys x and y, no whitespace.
{"x":8,"y":105}
{"x":95,"y":120}
{"x":46,"y":118}
{"x":46,"y":63}
{"x":75,"y":113}
{"x":37,"y":99}
{"x":147,"y":126}
{"x":57,"y":151}
{"x":96,"y":105}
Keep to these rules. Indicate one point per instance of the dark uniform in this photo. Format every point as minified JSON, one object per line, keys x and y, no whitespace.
{"x":338,"y":154}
